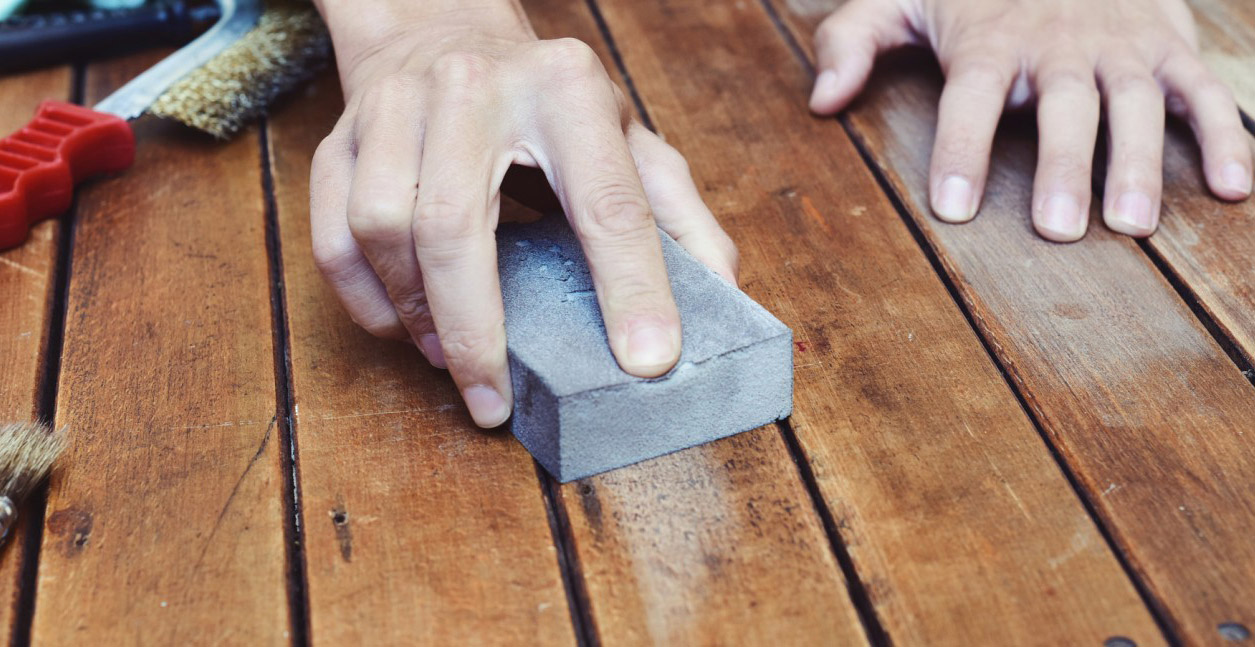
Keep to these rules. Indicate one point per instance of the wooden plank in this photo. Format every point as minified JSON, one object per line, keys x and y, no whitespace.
{"x":166,"y":524}
{"x":27,"y":277}
{"x":1141,"y":402}
{"x":419,"y":527}
{"x":959,"y":523}
{"x":1207,"y":243}
{"x":697,"y":547}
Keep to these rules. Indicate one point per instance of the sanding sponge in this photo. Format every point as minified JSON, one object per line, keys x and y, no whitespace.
{"x":577,"y":412}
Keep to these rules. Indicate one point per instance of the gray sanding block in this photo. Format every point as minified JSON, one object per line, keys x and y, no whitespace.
{"x":577,"y":412}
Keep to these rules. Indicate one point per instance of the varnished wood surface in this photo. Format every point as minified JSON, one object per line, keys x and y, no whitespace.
{"x":921,"y":480}
{"x":1207,"y":243}
{"x":1141,"y":402}
{"x":420,"y":528}
{"x":166,"y":523}
{"x":27,"y":283}
{"x":1019,"y":444}
{"x":693,"y":548}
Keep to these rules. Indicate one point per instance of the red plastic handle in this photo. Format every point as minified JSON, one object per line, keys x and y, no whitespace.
{"x":40,"y":164}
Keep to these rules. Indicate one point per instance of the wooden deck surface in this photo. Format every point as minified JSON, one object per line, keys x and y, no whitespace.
{"x":996,"y":440}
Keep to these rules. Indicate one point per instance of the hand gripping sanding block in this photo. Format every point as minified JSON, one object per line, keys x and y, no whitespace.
{"x":577,"y":412}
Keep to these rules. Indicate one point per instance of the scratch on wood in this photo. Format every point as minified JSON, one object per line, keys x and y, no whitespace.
{"x":443,"y":407}
{"x":811,"y":212}
{"x":1019,"y":503}
{"x":1080,"y":541}
{"x":229,"y":423}
{"x":21,"y":268}
{"x":261,"y":449}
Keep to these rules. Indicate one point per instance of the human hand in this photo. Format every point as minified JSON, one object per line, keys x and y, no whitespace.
{"x":1070,"y":57}
{"x":405,"y":191}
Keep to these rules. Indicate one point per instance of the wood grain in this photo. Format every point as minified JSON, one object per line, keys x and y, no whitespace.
{"x":420,"y":528}
{"x":165,"y":525}
{"x":1207,"y":243}
{"x":27,"y":277}
{"x":957,"y":520}
{"x":1137,"y":397}
{"x":695,"y":548}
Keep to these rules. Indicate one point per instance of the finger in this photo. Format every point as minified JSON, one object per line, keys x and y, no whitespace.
{"x":1135,"y":121}
{"x":336,"y":254}
{"x":594,"y":175}
{"x":971,"y":105}
{"x":846,"y":45}
{"x":676,"y":203}
{"x":382,"y":198}
{"x":1068,"y":110}
{"x":1214,"y":117}
{"x":456,"y":213}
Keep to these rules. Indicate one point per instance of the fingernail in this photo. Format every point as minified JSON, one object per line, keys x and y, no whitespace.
{"x":825,"y":90}
{"x":1236,"y":177}
{"x":430,"y":345}
{"x":487,"y":406}
{"x":1061,"y":216}
{"x":650,"y":346}
{"x":1134,"y":214}
{"x":954,"y":200}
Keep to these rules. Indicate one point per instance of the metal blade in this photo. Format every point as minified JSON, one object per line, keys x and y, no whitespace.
{"x":132,"y":99}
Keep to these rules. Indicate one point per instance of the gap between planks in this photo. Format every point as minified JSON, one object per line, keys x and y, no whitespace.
{"x":582,"y":614}
{"x":297,"y":578}
{"x":1188,"y":296}
{"x":37,"y":506}
{"x":1004,"y":366}
{"x":998,"y":359}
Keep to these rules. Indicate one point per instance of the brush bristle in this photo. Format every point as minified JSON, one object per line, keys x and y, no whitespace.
{"x":288,"y":46}
{"x":27,"y":451}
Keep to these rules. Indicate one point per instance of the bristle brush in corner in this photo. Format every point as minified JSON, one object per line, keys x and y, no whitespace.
{"x":216,"y":83}
{"x":27,"y":452}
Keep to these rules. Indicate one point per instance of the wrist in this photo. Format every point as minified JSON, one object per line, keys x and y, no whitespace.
{"x":363,"y":32}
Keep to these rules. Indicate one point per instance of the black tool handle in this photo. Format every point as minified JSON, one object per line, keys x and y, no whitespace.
{"x":33,"y":41}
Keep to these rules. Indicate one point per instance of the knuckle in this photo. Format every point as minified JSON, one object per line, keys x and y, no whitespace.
{"x":412,"y":308}
{"x":616,"y":209}
{"x":983,"y":74}
{"x":1136,"y":164}
{"x":382,"y":327}
{"x":373,"y":220}
{"x":443,"y":220}
{"x":459,"y":70}
{"x":1210,"y":88}
{"x":332,"y":153}
{"x":673,"y":160}
{"x":572,"y":54}
{"x":336,"y":257}
{"x":472,"y":350}
{"x":570,"y":62}
{"x":832,"y":30}
{"x":1132,"y":84}
{"x":663,"y":161}
{"x":956,"y":150}
{"x":1072,"y":80}
{"x":637,"y":294}
{"x":1066,"y":168}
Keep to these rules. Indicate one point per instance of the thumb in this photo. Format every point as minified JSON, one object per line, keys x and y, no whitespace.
{"x":846,"y":45}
